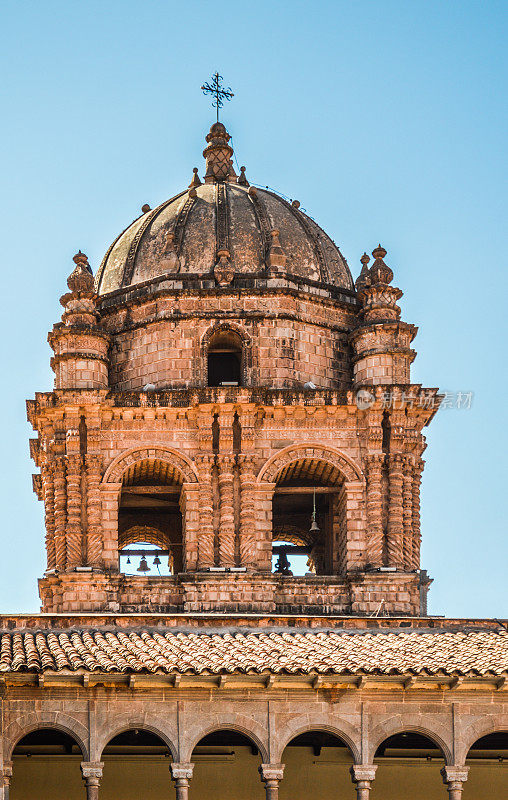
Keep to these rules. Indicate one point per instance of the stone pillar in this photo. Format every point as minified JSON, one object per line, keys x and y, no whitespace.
{"x":247,"y":512}
{"x":226,"y":512}
{"x":74,"y":535}
{"x":189,"y":505}
{"x":182,"y":775}
{"x":263,"y":497}
{"x":93,"y":511}
{"x":362,"y":776}
{"x":110,"y":496}
{"x":92,"y":774}
{"x":395,"y":545}
{"x":60,"y":512}
{"x":453,"y":779}
{"x":375,"y":539}
{"x":206,"y":557}
{"x":271,"y":775}
{"x":417,"y":480}
{"x":48,"y":493}
{"x":5,"y":780}
{"x":407,"y":512}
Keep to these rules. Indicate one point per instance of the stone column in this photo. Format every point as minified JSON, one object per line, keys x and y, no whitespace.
{"x":92,"y":774}
{"x":362,"y":776}
{"x":5,"y":780}
{"x":453,"y":778}
{"x":110,"y":496}
{"x":375,"y":540}
{"x":48,"y":493}
{"x":395,"y":544}
{"x":204,"y":465}
{"x":74,"y":535}
{"x":189,"y":506}
{"x":271,"y":775}
{"x":60,"y":512}
{"x":247,"y":512}
{"x":407,"y":512}
{"x":417,"y":480}
{"x":93,"y":511}
{"x":226,"y":512}
{"x":182,"y":774}
{"x":263,"y":496}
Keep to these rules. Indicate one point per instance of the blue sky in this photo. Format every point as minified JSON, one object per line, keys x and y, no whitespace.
{"x":387,"y":120}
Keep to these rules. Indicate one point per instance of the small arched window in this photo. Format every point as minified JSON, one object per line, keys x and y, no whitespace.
{"x":225,"y":359}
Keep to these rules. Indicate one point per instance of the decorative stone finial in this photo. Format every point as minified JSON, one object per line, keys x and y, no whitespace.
{"x":242,"y":180}
{"x":276,"y":255}
{"x":219,"y":165}
{"x":295,"y":204}
{"x":146,"y":208}
{"x":363,"y":277}
{"x":380,"y":272}
{"x":195,"y":179}
{"x":79,"y":302}
{"x":80,"y":281}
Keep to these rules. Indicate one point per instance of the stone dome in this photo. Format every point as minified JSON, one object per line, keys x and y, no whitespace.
{"x":222,"y":230}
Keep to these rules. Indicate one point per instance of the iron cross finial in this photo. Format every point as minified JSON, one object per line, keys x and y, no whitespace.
{"x":220,"y":93}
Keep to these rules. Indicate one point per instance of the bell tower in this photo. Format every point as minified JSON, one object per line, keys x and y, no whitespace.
{"x":233,"y":425}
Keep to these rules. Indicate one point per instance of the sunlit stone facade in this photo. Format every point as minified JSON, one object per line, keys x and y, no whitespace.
{"x":230,"y":465}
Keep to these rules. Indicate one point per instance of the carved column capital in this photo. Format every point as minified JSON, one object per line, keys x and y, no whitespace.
{"x":362,"y":775}
{"x":453,"y":778}
{"x":271,"y":772}
{"x":226,"y":463}
{"x":181,"y":770}
{"x":92,"y":769}
{"x":373,"y":460}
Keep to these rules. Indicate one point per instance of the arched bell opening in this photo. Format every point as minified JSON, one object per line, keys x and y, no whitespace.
{"x":226,"y":764}
{"x":225,"y":359}
{"x":136,"y":764}
{"x":317,"y":765}
{"x":150,"y":525}
{"x":408,"y":765}
{"x":307,"y":518}
{"x":488,"y":767}
{"x":47,"y":763}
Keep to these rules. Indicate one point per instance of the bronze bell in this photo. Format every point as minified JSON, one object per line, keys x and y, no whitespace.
{"x":314,"y":527}
{"x":156,"y":561}
{"x":282,"y":565}
{"x":143,"y":566}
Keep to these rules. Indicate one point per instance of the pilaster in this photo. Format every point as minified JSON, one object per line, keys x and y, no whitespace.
{"x":206,"y":555}
{"x":93,"y":508}
{"x":60,"y":493}
{"x":375,"y":540}
{"x":247,"y":512}
{"x":395,"y":544}
{"x":226,"y":512}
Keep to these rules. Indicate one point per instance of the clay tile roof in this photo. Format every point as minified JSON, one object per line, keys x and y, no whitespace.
{"x":466,"y":652}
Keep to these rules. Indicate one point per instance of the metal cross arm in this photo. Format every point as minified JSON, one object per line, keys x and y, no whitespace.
{"x":220,"y":92}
